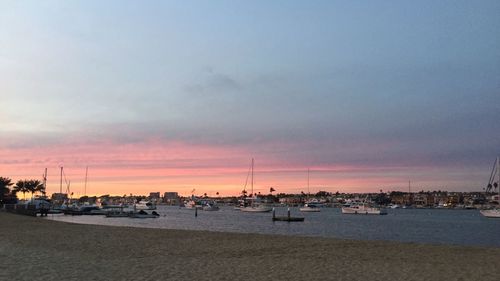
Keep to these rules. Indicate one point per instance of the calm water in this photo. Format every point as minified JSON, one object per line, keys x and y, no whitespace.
{"x":461,"y":227}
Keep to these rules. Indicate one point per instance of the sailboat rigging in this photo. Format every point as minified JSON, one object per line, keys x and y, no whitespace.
{"x":495,"y":173}
{"x":255,"y":206}
{"x":309,"y":206}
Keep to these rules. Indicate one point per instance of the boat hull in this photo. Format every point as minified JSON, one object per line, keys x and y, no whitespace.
{"x":495,"y":213}
{"x":309,"y":209}
{"x":363,"y":211}
{"x":256,"y":209}
{"x":118,"y":215}
{"x":144,"y":205}
{"x":139,"y":216}
{"x":288,"y":219}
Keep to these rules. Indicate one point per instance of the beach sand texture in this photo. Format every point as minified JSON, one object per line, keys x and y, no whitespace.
{"x":38,"y":249}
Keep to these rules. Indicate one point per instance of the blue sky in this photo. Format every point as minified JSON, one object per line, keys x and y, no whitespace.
{"x":320,"y":83}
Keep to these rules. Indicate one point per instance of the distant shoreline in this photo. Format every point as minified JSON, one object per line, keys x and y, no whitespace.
{"x":36,"y":249}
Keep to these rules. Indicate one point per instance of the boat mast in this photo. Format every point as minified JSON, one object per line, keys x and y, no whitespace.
{"x":86,"y":174}
{"x":252,"y":178}
{"x":45,"y":181}
{"x":60,"y":184}
{"x":498,"y":182}
{"x":308,"y":192}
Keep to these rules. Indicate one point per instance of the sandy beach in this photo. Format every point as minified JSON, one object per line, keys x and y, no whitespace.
{"x":38,"y":249}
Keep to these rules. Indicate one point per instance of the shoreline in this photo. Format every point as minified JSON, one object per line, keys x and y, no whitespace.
{"x":85,"y":251}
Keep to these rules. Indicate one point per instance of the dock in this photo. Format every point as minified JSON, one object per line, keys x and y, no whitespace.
{"x":287,"y":218}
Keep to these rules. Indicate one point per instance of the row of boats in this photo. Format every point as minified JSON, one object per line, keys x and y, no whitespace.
{"x":146,"y":210}
{"x":137,"y":210}
{"x":257,"y":207}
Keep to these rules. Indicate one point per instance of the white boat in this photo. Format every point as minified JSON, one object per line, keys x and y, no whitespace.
{"x":210,"y":207}
{"x":362,"y":209}
{"x":495,"y":173}
{"x":192,"y":204}
{"x":257,"y":209}
{"x":310,"y":208}
{"x":145,"y":205}
{"x":241,"y":205}
{"x":493,"y":213}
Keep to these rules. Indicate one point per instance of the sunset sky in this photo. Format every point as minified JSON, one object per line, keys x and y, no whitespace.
{"x":181,"y":95}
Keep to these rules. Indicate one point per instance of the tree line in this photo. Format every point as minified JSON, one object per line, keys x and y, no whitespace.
{"x":8,"y":195}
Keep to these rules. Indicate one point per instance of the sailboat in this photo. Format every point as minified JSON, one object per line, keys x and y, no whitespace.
{"x":255,"y":206}
{"x":495,"y":173}
{"x":309,"y":206}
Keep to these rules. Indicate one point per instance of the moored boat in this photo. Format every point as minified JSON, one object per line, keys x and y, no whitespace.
{"x":118,"y":214}
{"x":145,"y":205}
{"x":256,"y":209}
{"x":310,"y":208}
{"x":254,"y":204}
{"x":144,"y":215}
{"x":210,"y":207}
{"x":84,"y":210}
{"x":193,"y":204}
{"x":493,"y":213}
{"x":363,"y":209}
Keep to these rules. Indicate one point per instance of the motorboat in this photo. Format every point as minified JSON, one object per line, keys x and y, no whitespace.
{"x":84,"y":210}
{"x":118,"y":214}
{"x":193,"y":204}
{"x":310,"y":208}
{"x":257,"y":209}
{"x":363,"y":209}
{"x":210,"y":207}
{"x":493,"y":213}
{"x":145,"y":205}
{"x":144,"y":215}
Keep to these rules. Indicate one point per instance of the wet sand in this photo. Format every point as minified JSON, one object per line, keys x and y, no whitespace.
{"x":38,"y":249}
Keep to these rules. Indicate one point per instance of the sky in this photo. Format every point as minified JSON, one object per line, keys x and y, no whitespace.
{"x":181,"y":95}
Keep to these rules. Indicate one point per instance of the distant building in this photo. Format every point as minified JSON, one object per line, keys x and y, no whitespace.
{"x":171,"y":198}
{"x":291,"y":200}
{"x":154,"y":196}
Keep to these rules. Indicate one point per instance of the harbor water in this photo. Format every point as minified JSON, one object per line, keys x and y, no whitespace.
{"x":432,"y":226}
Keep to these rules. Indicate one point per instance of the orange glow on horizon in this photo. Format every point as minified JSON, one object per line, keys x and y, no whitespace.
{"x":155,"y":166}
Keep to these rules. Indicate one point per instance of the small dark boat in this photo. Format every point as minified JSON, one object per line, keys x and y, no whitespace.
{"x":288,"y":219}
{"x":144,"y":215}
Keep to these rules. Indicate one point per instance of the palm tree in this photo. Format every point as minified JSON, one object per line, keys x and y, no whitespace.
{"x":5,"y":183}
{"x":31,"y":186}
{"x":21,"y":186}
{"x":35,"y":186}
